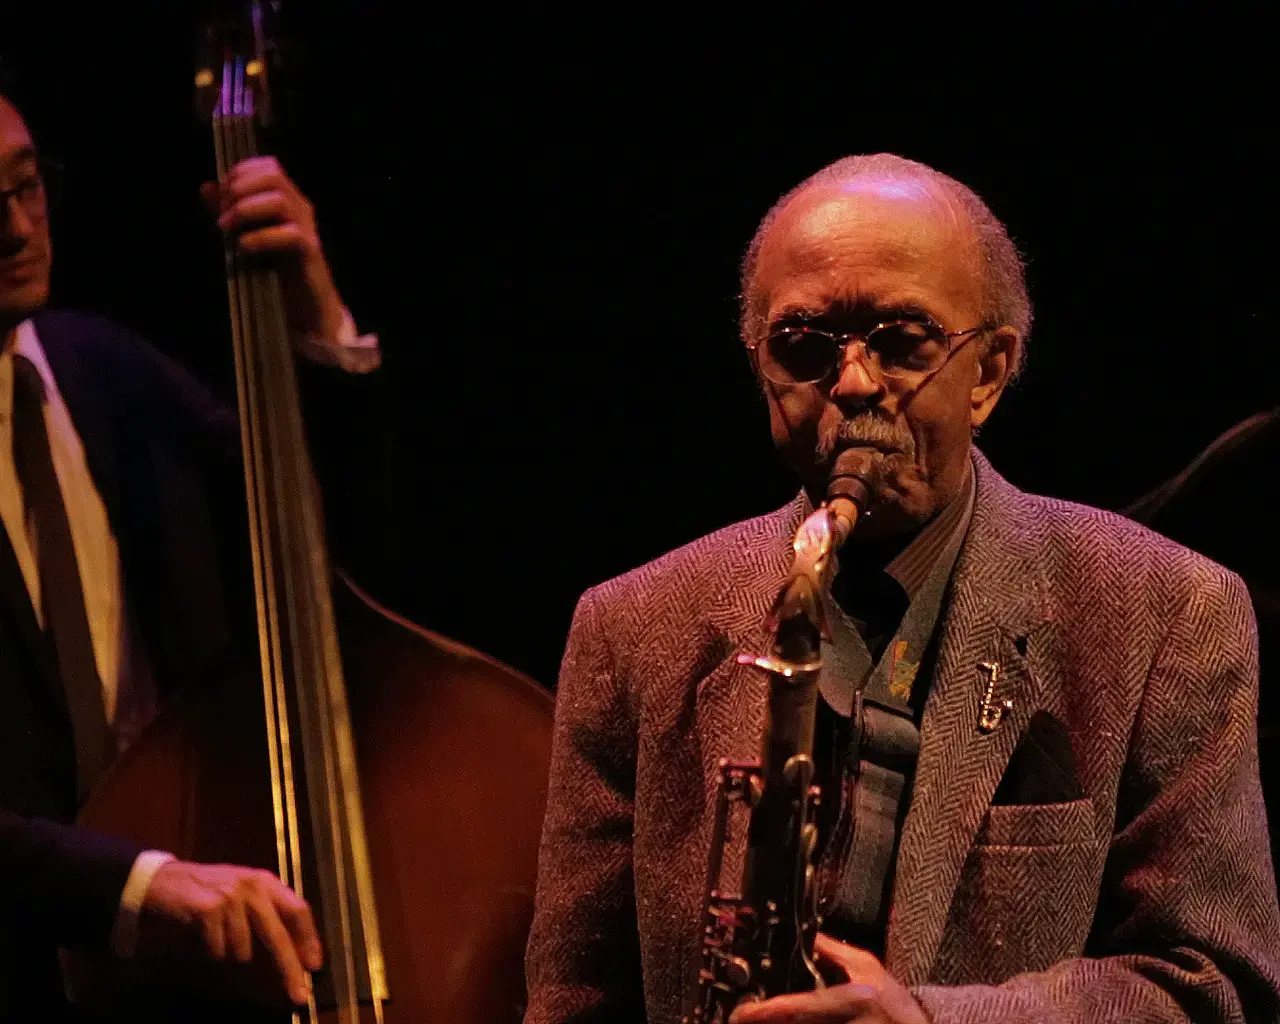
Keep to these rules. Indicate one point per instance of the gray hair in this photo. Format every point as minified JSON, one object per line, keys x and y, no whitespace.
{"x":1005,"y":299}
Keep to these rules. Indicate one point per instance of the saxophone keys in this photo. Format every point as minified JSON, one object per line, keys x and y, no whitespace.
{"x":809,"y":841}
{"x":737,"y":971}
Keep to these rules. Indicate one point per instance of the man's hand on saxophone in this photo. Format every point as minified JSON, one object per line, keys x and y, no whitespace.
{"x":861,"y":992}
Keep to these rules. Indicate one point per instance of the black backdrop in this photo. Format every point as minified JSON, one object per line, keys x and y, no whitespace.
{"x":542,"y":214}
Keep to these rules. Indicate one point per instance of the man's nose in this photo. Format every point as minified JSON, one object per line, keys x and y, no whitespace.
{"x":856,"y":384}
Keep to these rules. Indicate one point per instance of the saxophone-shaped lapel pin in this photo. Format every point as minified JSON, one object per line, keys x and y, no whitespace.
{"x":991,"y":713}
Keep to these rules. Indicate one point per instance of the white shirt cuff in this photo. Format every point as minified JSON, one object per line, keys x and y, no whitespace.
{"x":347,"y":350}
{"x":124,"y":932}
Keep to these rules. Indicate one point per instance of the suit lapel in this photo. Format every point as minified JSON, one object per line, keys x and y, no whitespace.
{"x":731,"y":698}
{"x":996,"y":615}
{"x":85,"y":395}
{"x":17,"y":601}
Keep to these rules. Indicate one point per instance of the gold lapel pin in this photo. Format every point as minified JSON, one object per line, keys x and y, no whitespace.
{"x":992,"y":711}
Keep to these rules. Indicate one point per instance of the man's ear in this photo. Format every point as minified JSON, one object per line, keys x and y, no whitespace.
{"x":995,"y":368}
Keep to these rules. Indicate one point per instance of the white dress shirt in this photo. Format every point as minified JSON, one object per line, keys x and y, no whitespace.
{"x":127,"y":687}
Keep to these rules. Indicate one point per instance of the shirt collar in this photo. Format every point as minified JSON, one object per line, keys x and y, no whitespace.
{"x":912,"y":566}
{"x":27,"y":343}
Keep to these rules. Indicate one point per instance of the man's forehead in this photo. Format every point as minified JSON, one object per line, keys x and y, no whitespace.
{"x":870,"y":233}
{"x":897,"y":215}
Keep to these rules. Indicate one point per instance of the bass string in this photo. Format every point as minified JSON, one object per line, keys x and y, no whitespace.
{"x":251,"y":440}
{"x":346,"y":808}
{"x":317,"y":636}
{"x":353,"y":874}
{"x":292,"y":488}
{"x":295,"y":544}
{"x":278,"y":566}
{"x":231,"y":146}
{"x":265,"y":600}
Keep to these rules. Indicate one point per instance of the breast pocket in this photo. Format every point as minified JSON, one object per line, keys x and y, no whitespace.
{"x":1026,"y":895}
{"x":1037,"y":824}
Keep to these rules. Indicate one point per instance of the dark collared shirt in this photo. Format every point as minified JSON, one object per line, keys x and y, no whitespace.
{"x":874,"y":595}
{"x":872,"y":591}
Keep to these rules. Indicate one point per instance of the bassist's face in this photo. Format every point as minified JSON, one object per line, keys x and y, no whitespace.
{"x":26,"y":252}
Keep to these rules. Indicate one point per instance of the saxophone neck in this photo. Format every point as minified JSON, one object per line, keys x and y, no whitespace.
{"x":798,"y":608}
{"x":843,"y":512}
{"x":797,"y":616}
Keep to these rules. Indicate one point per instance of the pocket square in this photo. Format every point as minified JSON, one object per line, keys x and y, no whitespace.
{"x":1042,"y":769}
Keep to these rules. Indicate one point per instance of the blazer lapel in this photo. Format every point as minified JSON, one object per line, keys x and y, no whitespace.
{"x":730,"y":702}
{"x":17,"y":601}
{"x":86,"y":400}
{"x":996,"y":616}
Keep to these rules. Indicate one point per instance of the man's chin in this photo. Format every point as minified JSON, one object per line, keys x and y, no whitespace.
{"x":22,"y":303}
{"x":889,"y":516}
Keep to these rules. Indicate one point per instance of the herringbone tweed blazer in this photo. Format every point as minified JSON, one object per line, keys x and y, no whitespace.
{"x":1151,"y":899}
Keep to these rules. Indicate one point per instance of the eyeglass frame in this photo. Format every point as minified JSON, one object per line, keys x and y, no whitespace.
{"x":844,"y":339}
{"x":48,"y":173}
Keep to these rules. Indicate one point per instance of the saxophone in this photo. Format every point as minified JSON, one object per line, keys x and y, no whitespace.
{"x":758,"y":942}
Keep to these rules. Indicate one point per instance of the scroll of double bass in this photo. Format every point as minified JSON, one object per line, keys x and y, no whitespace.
{"x":393,"y":777}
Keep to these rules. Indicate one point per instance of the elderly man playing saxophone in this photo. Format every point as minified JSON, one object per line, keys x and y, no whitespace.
{"x":1035,"y":736}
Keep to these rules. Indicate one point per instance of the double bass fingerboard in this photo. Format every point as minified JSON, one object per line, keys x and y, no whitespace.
{"x":319,"y":822}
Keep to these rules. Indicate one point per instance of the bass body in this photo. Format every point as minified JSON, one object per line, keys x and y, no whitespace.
{"x":453,"y":749}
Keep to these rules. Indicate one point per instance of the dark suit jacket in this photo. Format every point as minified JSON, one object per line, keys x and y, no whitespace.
{"x":1150,"y":898}
{"x":165,"y":458}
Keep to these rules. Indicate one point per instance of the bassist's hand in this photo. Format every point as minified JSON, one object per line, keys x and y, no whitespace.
{"x":231,"y":910}
{"x":265,"y":211}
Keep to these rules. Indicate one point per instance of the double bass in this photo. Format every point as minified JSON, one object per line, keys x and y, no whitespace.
{"x":393,"y":777}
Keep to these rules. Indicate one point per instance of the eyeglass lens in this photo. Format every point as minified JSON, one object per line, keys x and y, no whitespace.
{"x":30,"y":194}
{"x":805,"y":355}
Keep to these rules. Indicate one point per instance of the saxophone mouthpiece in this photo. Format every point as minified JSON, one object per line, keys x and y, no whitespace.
{"x":854,"y":479}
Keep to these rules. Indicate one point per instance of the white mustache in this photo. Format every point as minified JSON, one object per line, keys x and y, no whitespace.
{"x":870,"y":432}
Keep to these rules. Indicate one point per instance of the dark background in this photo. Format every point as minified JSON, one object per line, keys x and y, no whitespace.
{"x":542,"y":213}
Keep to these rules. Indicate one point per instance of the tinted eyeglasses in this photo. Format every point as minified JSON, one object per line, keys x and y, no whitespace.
{"x":36,"y":192}
{"x":897,"y":350}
